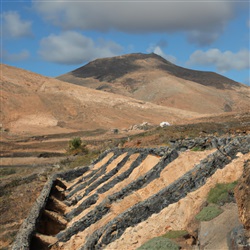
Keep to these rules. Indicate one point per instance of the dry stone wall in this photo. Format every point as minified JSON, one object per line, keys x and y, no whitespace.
{"x":77,"y":202}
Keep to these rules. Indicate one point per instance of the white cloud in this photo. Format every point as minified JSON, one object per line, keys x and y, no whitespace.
{"x":223,"y":61}
{"x":201,"y":18}
{"x":23,"y":55}
{"x":14,"y":27}
{"x":71,"y":47}
{"x":157,"y":50}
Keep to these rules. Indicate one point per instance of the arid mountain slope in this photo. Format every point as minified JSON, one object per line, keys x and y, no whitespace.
{"x":31,"y":103}
{"x":154,"y":79}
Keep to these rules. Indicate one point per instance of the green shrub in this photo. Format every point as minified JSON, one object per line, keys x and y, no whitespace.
{"x":173,"y":234}
{"x":159,"y":243}
{"x":195,"y":149}
{"x":221,"y":193}
{"x":75,"y":143}
{"x":208,"y":213}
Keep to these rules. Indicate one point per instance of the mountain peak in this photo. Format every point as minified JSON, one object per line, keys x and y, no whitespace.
{"x":113,"y":68}
{"x":109,"y":69}
{"x":134,"y":56}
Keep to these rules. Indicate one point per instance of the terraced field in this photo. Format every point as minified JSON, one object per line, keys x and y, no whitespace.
{"x":127,"y":196}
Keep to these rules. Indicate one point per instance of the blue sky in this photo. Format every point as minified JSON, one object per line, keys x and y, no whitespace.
{"x":55,"y":37}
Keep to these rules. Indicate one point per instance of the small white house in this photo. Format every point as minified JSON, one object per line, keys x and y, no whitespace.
{"x":164,"y":124}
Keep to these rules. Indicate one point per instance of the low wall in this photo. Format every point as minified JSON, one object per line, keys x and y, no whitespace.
{"x":141,"y":211}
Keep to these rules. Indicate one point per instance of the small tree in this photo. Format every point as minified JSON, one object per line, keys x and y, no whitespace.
{"x":75,"y":143}
{"x":77,"y":146}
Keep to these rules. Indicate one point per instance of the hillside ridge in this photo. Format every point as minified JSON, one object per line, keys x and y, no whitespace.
{"x":35,"y":104}
{"x":151,"y":78}
{"x":109,"y":69}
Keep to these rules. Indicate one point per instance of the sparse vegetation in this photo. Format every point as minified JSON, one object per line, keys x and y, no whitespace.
{"x":76,"y":146}
{"x":84,"y":160}
{"x":75,"y":143}
{"x":159,"y":243}
{"x":195,"y":149}
{"x":6,"y":171}
{"x":208,"y":213}
{"x":221,"y":193}
{"x":173,"y":234}
{"x":164,"y":241}
{"x":217,"y":196}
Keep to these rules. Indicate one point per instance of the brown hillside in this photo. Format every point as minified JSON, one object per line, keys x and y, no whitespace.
{"x":152,"y":78}
{"x":34,"y":104}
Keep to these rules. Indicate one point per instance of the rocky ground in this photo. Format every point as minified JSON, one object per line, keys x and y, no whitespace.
{"x":20,"y":186}
{"x":129,"y":190}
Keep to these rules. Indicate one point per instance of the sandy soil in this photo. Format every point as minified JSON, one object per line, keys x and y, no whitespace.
{"x":22,"y":161}
{"x":177,"y":216}
{"x":144,"y":167}
{"x":125,"y":168}
{"x":96,"y":166}
{"x":173,"y":171}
